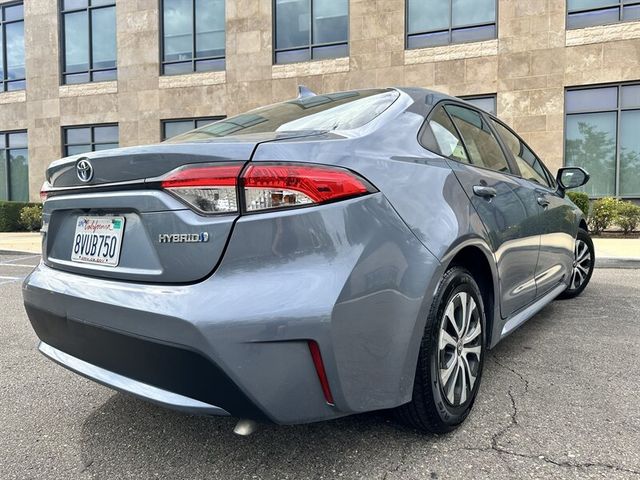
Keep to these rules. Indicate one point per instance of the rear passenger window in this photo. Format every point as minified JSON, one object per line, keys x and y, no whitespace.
{"x":482,"y":147}
{"x":530,"y":167}
{"x":446,"y":137}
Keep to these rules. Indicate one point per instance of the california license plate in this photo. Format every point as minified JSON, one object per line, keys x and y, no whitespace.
{"x":98,"y":240}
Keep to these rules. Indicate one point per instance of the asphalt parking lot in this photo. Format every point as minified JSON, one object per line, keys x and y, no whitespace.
{"x":560,"y":399}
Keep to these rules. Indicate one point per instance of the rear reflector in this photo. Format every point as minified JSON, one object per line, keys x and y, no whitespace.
{"x":279,"y":186}
{"x":209,"y":189}
{"x":322,"y":375}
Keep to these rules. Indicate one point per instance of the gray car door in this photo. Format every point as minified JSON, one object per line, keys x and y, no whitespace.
{"x":557,"y":226}
{"x":508,"y":211}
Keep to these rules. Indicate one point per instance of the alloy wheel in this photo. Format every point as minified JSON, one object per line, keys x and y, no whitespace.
{"x":581,"y":264}
{"x":460,"y":348}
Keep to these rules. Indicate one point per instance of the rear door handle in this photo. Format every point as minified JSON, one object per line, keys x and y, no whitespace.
{"x":542,"y":201}
{"x":484,"y":191}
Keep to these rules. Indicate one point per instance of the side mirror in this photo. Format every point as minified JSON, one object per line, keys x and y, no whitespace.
{"x":572,"y":177}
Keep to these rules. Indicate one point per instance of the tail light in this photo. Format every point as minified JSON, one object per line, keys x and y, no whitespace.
{"x":316,"y":356}
{"x":209,"y":189}
{"x":214,"y":188}
{"x":278,"y":186}
{"x":44,"y":191}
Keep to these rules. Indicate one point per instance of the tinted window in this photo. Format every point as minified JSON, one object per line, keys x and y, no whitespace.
{"x":482,"y":147}
{"x":193,"y":36}
{"x":310,"y":29}
{"x":90,"y":138}
{"x":586,"y":13}
{"x":530,"y":167}
{"x":14,"y":167}
{"x":440,"y":22}
{"x":447,"y":139}
{"x":336,"y":111}
{"x":173,"y":128}
{"x":12,"y":71}
{"x":89,"y":33}
{"x":601,"y":136}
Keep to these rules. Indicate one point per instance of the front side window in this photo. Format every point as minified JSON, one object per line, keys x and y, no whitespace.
{"x":193,"y":36}
{"x":587,"y":13}
{"x":89,"y":40}
{"x":482,"y":147}
{"x":89,"y":138}
{"x":14,"y":167}
{"x":310,"y":30}
{"x":529,"y":165}
{"x":601,"y":136}
{"x":440,"y":22}
{"x":12,"y":72}
{"x":173,"y":128}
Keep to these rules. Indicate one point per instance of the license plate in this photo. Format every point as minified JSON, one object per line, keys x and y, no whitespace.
{"x":98,"y":240}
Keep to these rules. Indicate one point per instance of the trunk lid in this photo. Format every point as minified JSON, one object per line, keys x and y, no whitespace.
{"x":163,"y":240}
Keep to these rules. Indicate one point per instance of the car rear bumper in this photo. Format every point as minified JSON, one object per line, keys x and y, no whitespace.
{"x":350,"y":276}
{"x":124,"y":384}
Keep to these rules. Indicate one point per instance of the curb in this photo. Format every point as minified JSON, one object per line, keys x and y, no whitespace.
{"x":617,"y":262}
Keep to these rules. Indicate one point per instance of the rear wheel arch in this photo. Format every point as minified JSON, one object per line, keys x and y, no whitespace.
{"x":475,"y":260}
{"x":583,"y":224}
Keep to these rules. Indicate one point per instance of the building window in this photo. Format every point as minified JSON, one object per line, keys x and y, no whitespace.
{"x":173,"y":128}
{"x":193,"y":36}
{"x":601,"y":135}
{"x":12,"y":47}
{"x":483,"y":102}
{"x":440,"y":22}
{"x":587,"y":13}
{"x":311,"y":30}
{"x":14,"y":167}
{"x":89,"y":138}
{"x":89,"y":40}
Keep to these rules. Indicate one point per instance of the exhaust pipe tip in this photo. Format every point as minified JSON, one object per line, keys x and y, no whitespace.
{"x":245,"y":428}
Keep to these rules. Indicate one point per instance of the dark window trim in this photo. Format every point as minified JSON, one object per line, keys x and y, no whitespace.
{"x":619,"y":4}
{"x":513,"y":167}
{"x":6,"y":148}
{"x":92,"y":143}
{"x":194,"y":59}
{"x":194,"y":120}
{"x":618,"y":111}
{"x":310,"y":46}
{"x":451,"y":28}
{"x":61,"y":42}
{"x":4,"y":80}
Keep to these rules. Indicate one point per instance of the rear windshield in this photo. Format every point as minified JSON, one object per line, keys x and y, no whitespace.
{"x":335,"y":111}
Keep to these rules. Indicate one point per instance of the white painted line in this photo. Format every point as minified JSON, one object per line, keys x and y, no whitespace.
{"x":18,"y":259}
{"x":10,"y":278}
{"x":17,"y":265}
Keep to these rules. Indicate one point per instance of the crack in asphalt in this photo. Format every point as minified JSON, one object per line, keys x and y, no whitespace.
{"x":496,"y":447}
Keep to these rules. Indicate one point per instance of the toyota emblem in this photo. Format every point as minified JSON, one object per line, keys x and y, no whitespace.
{"x":84,"y":170}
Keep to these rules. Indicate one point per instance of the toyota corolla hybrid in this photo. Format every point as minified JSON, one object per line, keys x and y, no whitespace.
{"x":319,"y":257}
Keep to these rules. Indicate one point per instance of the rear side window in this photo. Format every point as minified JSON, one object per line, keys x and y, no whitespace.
{"x":530,"y":166}
{"x":446,"y":136}
{"x":482,"y":146}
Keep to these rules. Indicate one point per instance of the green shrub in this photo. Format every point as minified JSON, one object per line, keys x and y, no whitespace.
{"x":604,"y":213}
{"x":31,"y":217}
{"x":10,"y":216}
{"x":628,"y":216}
{"x":581,"y":200}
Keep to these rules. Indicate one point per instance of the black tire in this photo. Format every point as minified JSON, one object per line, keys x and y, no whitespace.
{"x":429,"y":409}
{"x":588,"y":263}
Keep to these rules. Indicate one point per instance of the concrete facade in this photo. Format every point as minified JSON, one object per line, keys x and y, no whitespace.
{"x":528,"y":66}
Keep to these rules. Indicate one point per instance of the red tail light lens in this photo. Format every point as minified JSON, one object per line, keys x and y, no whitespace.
{"x":279,"y":186}
{"x":209,"y":189}
{"x":44,"y":192}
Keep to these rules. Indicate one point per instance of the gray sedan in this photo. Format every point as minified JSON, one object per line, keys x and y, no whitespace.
{"x":324,"y":256}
